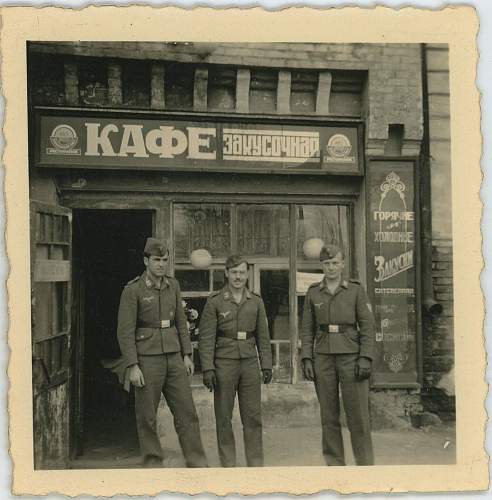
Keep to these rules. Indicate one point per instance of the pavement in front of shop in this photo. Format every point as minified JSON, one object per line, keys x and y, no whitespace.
{"x":292,"y":436}
{"x":296,"y":447}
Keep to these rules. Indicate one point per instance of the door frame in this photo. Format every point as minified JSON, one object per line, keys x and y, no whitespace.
{"x":77,"y":424}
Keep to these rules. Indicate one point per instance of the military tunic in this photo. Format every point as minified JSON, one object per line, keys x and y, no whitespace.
{"x":153,"y":333}
{"x":235,"y":361}
{"x":337,"y":329}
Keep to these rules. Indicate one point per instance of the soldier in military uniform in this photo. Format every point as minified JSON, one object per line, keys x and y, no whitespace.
{"x":232,"y":327}
{"x":336,"y":353}
{"x":155,"y":344}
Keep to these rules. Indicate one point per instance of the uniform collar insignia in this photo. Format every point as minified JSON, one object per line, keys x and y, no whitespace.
{"x":343,"y":284}
{"x":228,"y":294}
{"x":150,"y":283}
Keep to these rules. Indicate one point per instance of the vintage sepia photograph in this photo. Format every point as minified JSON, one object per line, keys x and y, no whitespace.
{"x":244,"y":251}
{"x":241,"y":254}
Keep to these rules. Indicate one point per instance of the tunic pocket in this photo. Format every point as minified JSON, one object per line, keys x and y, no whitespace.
{"x":143,"y":334}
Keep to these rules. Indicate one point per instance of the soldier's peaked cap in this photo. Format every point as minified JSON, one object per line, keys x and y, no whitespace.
{"x":330,"y":252}
{"x":153,"y":246}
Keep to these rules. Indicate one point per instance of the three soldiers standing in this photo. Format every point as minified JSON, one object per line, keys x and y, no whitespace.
{"x":337,"y":344}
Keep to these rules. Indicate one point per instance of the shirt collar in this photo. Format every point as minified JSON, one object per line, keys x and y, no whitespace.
{"x":150,"y":283}
{"x":228,"y":294}
{"x":343,"y":284}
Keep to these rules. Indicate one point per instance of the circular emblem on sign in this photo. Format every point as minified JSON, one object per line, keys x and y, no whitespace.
{"x":63,"y":137}
{"x":339,"y":146}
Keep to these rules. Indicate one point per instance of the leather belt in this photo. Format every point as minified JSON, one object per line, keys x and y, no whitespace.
{"x":326,"y":328}
{"x":165,"y":323}
{"x":236,"y":335}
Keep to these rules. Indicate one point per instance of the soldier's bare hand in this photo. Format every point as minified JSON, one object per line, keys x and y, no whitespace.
{"x":210,"y":380}
{"x":308,"y":369}
{"x":190,"y":367}
{"x":363,"y":368}
{"x":136,"y":376}
{"x":267,"y":376}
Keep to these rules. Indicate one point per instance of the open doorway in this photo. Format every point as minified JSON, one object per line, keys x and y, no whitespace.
{"x":107,"y":253}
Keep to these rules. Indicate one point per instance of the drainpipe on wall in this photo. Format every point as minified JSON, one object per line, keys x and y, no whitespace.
{"x":430,"y":305}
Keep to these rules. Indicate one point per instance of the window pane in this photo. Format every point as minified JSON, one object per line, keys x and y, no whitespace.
{"x":219,"y":279}
{"x":263,"y":230}
{"x":193,"y":280}
{"x":179,"y":84}
{"x":263,"y":90}
{"x":304,"y":85}
{"x":328,"y":223}
{"x":274,"y":286}
{"x":202,"y":225}
{"x":221,"y":92}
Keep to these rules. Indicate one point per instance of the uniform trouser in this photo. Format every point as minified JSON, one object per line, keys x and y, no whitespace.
{"x":166,"y":373}
{"x":241,"y":376}
{"x":331,"y":372}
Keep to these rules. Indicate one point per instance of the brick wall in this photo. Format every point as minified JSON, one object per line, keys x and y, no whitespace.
{"x":394,"y":88}
{"x":438,"y":345}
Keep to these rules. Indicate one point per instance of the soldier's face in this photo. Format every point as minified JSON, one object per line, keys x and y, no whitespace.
{"x":333,"y":267}
{"x":237,"y":276}
{"x":156,"y":265}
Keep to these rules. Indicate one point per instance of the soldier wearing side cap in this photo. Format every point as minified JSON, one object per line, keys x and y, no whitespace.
{"x":337,"y":350}
{"x":232,"y":327}
{"x":155,"y":345}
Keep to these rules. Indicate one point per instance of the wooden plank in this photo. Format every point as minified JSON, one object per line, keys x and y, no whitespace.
{"x":157,"y":95}
{"x":200,"y":89}
{"x":115,"y":93}
{"x":293,"y":329}
{"x":71,"y":84}
{"x":52,"y":270}
{"x":323,"y":93}
{"x":242,"y":90}
{"x":283,"y":92}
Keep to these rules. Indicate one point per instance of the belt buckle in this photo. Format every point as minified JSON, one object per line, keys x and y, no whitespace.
{"x":333,"y":329}
{"x":165,"y":323}
{"x":241,"y":335}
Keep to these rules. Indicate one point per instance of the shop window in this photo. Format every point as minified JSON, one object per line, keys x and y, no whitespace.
{"x":196,"y":285}
{"x":303,"y":89}
{"x":136,"y":84}
{"x":221,"y":92}
{"x":179,"y":82}
{"x":47,"y":80}
{"x":93,"y":83}
{"x":263,"y":230}
{"x":263,"y":91}
{"x":347,"y":88}
{"x":202,"y":226}
{"x":328,"y":224}
{"x":193,"y":279}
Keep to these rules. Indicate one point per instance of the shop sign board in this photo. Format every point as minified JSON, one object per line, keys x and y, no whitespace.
{"x":392,"y":271}
{"x":101,"y":141}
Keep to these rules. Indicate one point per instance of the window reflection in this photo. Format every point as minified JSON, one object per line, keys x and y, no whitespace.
{"x":263,"y":230}
{"x":202,"y":225}
{"x":328,"y":223}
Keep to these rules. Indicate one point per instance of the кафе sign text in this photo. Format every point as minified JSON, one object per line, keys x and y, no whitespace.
{"x":125,"y":143}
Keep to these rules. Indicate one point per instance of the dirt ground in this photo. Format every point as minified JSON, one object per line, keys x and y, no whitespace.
{"x":295,"y":447}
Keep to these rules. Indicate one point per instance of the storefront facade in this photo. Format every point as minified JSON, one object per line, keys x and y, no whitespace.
{"x":254,"y":149}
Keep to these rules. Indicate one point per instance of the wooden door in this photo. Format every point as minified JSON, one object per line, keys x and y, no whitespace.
{"x":51,"y":236}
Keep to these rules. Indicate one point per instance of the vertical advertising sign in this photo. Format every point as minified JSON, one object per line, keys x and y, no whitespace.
{"x":392,"y":271}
